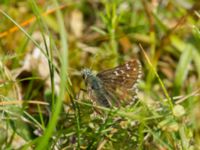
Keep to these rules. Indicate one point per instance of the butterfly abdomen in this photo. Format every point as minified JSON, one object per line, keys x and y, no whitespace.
{"x":101,"y":98}
{"x":97,"y":92}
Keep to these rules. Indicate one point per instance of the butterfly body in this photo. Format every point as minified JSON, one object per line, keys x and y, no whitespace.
{"x":116,"y":86}
{"x":95,"y":88}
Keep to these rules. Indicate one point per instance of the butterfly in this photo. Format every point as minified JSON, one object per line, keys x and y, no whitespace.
{"x":114,"y":87}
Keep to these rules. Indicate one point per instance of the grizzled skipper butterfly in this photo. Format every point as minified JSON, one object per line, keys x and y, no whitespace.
{"x":116,"y":86}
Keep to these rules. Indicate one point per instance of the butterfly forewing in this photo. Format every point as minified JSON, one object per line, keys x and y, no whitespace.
{"x":122,"y":81}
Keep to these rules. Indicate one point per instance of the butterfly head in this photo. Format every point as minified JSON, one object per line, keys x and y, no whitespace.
{"x":86,"y":73}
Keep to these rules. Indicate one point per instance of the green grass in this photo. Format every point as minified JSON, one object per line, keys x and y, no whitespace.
{"x":42,"y":62}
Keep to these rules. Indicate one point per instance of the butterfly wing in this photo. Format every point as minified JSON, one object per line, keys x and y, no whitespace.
{"x":122,"y":81}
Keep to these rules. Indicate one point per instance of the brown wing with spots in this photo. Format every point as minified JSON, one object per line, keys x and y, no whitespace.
{"x":122,"y":81}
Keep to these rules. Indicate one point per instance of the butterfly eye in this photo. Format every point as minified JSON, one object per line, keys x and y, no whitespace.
{"x":85,"y":73}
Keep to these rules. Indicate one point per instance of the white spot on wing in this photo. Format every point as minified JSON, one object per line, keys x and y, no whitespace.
{"x":134,"y":98}
{"x":128,"y":66}
{"x":140,"y":71}
{"x":116,"y":73}
{"x":135,"y":86}
{"x":139,"y":76}
{"x":122,"y":71}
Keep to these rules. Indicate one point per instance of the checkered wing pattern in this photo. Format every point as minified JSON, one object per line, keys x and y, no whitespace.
{"x":121,"y":82}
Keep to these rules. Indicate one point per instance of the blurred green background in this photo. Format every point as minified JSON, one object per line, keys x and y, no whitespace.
{"x":45,"y":44}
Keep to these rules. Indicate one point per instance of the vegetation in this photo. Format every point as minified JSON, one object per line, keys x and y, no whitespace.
{"x":44,"y":45}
